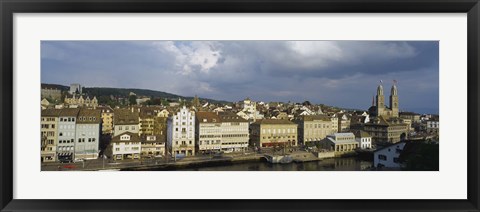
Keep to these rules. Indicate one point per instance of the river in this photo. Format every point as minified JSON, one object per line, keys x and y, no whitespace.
{"x":333,"y":164}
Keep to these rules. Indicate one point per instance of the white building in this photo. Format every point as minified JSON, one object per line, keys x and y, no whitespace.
{"x":433,"y":125}
{"x":364,"y":140}
{"x":235,"y":134}
{"x":208,"y":132}
{"x":340,"y":143}
{"x":152,"y":145}
{"x":181,"y":132}
{"x":126,"y":121}
{"x":222,"y":131}
{"x":125,"y":146}
{"x":249,"y":106}
{"x":74,"y":88}
{"x":66,"y":134}
{"x":87,"y":134}
{"x":388,"y":156}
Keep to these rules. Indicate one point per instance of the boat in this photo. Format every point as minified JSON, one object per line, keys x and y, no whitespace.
{"x":278,"y":158}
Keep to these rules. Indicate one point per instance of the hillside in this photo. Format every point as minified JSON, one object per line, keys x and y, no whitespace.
{"x":124,"y":92}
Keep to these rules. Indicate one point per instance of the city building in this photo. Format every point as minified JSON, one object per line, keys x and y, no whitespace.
{"x":49,"y":135}
{"x":160,"y":126}
{"x":250,"y":112}
{"x":78,"y":101}
{"x":146,"y":122}
{"x":334,"y":120}
{"x":181,"y":133}
{"x":388,"y":156}
{"x":107,"y":119}
{"x":75,"y":89}
{"x":88,"y":130}
{"x":414,"y":117}
{"x":273,"y":132}
{"x":66,"y":134}
{"x":382,"y":130}
{"x":386,"y":125}
{"x":340,"y":143}
{"x":343,"y":123}
{"x":235,"y":133}
{"x":380,"y":109}
{"x":364,"y":140}
{"x":126,"y":145}
{"x":208,"y":132}
{"x":433,"y":125}
{"x":163,"y":113}
{"x":152,"y":146}
{"x":50,"y":92}
{"x":313,"y":128}
{"x":125,"y":120}
{"x":221,"y":131}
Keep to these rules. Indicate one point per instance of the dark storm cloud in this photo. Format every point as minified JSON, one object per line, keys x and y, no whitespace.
{"x":343,"y":73}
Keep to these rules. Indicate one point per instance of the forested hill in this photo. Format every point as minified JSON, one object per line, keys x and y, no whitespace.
{"x":125,"y":92}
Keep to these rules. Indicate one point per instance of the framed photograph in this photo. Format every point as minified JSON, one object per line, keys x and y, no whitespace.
{"x":253,"y":106}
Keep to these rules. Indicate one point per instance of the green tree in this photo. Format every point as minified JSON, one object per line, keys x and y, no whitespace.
{"x":132,"y":99}
{"x":426,"y":158}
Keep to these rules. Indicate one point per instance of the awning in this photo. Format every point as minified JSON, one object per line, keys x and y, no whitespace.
{"x":65,"y":154}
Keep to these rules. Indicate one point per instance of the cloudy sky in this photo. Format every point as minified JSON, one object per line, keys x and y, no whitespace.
{"x":340,"y":73}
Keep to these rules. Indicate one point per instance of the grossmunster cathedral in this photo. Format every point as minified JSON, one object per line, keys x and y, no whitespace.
{"x":385,"y":124}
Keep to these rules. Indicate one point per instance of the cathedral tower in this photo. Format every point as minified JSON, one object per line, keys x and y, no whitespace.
{"x":394,"y":100}
{"x":380,"y":101}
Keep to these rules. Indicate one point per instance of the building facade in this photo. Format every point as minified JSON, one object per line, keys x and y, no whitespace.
{"x":364,"y":140}
{"x":340,"y":143}
{"x":88,"y":130}
{"x":208,"y":132}
{"x":75,"y":88}
{"x":386,"y":125}
{"x":146,"y":123}
{"x":49,"y":135}
{"x":273,"y":132}
{"x":66,"y":134}
{"x":126,"y":120}
{"x":181,"y":133}
{"x":382,"y":130}
{"x":107,"y":120}
{"x":388,"y":156}
{"x":314,"y":128}
{"x":152,"y":146}
{"x":126,"y":145}
{"x":51,"y":93}
{"x":235,"y":133}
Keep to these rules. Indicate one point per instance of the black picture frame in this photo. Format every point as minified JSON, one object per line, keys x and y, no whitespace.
{"x":9,"y":7}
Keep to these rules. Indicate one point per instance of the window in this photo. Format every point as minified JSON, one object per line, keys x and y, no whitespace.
{"x":382,"y":157}
{"x":396,"y":160}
